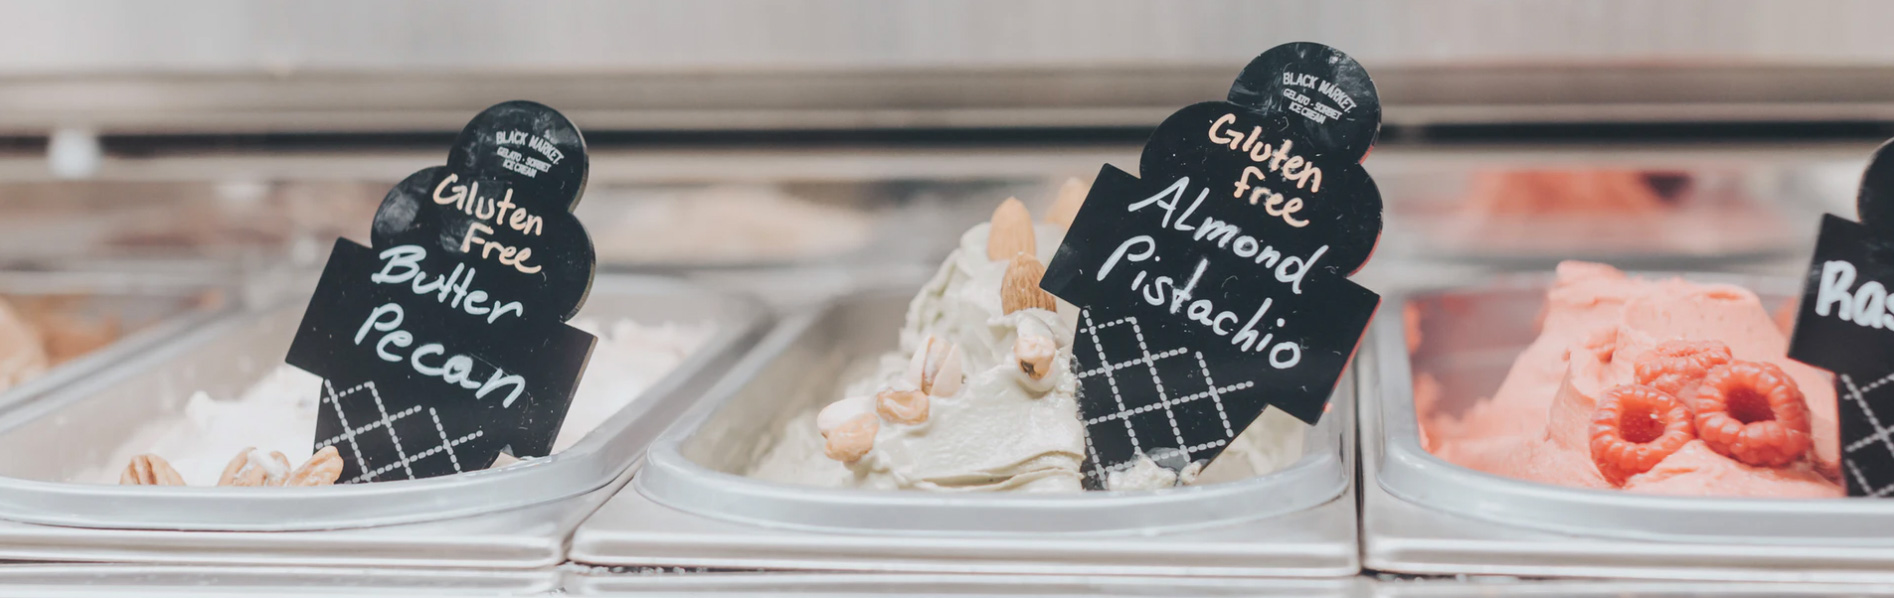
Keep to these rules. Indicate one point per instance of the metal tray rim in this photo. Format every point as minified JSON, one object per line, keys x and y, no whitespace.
{"x":584,"y":582}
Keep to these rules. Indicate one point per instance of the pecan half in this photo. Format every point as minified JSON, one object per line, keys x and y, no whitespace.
{"x":150,"y":470}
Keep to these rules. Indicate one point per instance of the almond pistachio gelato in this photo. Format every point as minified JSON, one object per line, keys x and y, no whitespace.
{"x":980,"y":395}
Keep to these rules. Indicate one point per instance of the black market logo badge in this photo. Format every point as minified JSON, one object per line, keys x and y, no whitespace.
{"x":445,"y":344}
{"x":1845,"y":324}
{"x":1216,"y":284}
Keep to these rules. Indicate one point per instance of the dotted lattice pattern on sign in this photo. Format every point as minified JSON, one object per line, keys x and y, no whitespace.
{"x":1867,"y":453}
{"x":426,"y":437}
{"x":1167,"y":403}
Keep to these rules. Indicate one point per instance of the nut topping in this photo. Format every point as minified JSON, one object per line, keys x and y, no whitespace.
{"x":150,"y":470}
{"x":320,"y":470}
{"x":245,"y":470}
{"x":853,"y":439}
{"x":1035,"y":354}
{"x":902,"y":406}
{"x":936,"y":368}
{"x":1066,"y":207}
{"x":839,"y":412}
{"x":1011,"y":233}
{"x":1020,"y":289}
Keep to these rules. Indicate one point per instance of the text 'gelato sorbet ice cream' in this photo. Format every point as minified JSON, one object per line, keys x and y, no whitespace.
{"x":274,"y":422}
{"x":1654,"y":386}
{"x":981,"y":395}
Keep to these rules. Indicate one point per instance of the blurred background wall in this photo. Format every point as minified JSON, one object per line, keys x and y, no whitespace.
{"x":198,"y":66}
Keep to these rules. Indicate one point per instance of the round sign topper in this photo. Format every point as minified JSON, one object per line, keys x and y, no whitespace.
{"x":1874,"y":204}
{"x":1323,"y":94}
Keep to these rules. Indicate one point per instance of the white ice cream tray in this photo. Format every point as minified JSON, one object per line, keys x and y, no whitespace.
{"x":865,"y":585}
{"x":688,"y":509}
{"x":513,"y":517}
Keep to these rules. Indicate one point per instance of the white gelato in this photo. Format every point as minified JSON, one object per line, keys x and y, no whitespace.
{"x":1002,"y":430}
{"x":278,"y":413}
{"x":1272,"y":442}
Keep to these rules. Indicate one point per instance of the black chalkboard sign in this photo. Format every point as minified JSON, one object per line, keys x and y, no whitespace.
{"x":1215,"y":284}
{"x":1845,"y":324}
{"x":445,"y":345}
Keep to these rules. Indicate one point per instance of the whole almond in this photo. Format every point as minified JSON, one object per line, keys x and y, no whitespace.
{"x":150,"y":470}
{"x":1011,"y":233}
{"x":1020,"y":289}
{"x":320,"y":470}
{"x":1066,"y":207}
{"x":902,"y":406}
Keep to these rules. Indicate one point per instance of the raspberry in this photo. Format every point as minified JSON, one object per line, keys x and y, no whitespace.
{"x":1754,"y":413}
{"x":1634,"y":428}
{"x":1676,"y":365}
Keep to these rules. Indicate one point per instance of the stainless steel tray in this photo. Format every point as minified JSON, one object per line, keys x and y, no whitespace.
{"x":1599,"y":588}
{"x":514,"y":516}
{"x":689,"y":511}
{"x":607,"y":583}
{"x":82,"y":580}
{"x":1424,"y":515}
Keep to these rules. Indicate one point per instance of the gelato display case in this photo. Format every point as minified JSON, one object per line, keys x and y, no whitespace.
{"x":816,"y":293}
